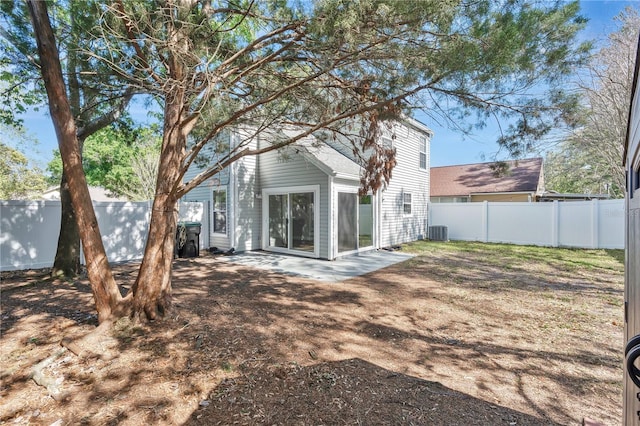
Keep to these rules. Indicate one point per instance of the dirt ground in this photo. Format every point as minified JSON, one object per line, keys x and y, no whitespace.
{"x":441,"y":339}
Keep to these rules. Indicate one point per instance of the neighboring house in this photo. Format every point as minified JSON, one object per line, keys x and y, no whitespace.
{"x":521,"y":180}
{"x":303,"y":199}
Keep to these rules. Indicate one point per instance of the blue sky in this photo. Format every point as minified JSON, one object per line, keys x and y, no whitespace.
{"x":447,"y":147}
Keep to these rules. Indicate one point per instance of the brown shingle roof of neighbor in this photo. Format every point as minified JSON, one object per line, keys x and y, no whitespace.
{"x":479,"y":178}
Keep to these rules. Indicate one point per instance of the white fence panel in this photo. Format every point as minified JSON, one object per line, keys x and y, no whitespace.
{"x":29,"y":230}
{"x":580,"y":224}
{"x":611,"y":215}
{"x":519,"y":223}
{"x":28,"y":234}
{"x":468,"y":218}
{"x":124,"y":228}
{"x":576,"y":218}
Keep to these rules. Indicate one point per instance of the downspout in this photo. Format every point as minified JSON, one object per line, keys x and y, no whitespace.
{"x":232,"y":205}
{"x":331,"y":255}
{"x":379,"y":219}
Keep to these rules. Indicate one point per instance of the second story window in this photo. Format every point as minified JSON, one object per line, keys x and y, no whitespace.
{"x":423,"y":153}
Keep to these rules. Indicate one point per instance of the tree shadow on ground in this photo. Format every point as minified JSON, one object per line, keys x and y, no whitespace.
{"x":351,"y":391}
{"x":249,"y":345}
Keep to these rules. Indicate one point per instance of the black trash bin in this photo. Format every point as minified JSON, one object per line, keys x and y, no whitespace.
{"x":188,"y":239}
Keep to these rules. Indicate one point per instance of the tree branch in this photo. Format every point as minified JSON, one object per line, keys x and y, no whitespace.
{"x":104,"y":120}
{"x":203,"y":176}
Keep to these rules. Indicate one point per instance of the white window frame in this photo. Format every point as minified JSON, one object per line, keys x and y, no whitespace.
{"x":288,"y":190}
{"x":423,"y":153}
{"x":214,"y":210}
{"x":337,"y":188}
{"x":404,"y":204}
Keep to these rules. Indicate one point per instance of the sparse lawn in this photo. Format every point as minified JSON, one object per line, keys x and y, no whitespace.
{"x":462,"y":334}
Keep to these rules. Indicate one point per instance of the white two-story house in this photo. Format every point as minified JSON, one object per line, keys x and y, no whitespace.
{"x":303,"y":199}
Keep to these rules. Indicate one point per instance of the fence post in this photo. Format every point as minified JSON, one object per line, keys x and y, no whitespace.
{"x":595,"y":211}
{"x":555,"y":224}
{"x":485,"y":221}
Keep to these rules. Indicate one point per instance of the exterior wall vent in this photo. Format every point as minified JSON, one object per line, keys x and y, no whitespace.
{"x":439,"y":233}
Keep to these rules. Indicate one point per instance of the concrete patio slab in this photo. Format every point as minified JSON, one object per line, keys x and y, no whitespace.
{"x":322,"y":270}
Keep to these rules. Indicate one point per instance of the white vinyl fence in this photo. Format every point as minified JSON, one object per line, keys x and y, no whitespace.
{"x":29,"y":230}
{"x":581,"y":224}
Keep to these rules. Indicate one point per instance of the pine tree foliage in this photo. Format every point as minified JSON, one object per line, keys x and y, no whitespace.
{"x":341,"y":68}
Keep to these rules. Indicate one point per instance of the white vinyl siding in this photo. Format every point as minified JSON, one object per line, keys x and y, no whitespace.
{"x":249,"y":176}
{"x":201,"y":193}
{"x":292,"y":170}
{"x":244,"y":200}
{"x":395,"y":226}
{"x":243,"y":209}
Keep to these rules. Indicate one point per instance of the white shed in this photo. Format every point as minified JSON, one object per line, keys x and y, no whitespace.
{"x":632,"y":269}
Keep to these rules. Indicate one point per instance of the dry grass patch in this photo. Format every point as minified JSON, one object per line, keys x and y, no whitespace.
{"x":463,"y":333}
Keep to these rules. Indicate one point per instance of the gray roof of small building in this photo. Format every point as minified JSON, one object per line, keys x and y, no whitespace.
{"x":328,"y":159}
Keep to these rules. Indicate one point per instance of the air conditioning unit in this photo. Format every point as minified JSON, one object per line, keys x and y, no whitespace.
{"x":439,"y":233}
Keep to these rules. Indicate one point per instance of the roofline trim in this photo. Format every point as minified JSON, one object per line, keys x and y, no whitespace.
{"x":418,"y":125}
{"x":503,"y":193}
{"x":489,"y":162}
{"x":488,"y":193}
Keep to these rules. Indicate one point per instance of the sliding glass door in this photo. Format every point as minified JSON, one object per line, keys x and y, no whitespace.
{"x":302,"y":221}
{"x":347,"y":222}
{"x":279,"y":221}
{"x":291,"y":219}
{"x":355,"y":222}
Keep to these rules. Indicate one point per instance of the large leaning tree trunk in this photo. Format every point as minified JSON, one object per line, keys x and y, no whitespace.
{"x":152,"y":288}
{"x":67,"y":259}
{"x":105,"y":290}
{"x":97,"y":97}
